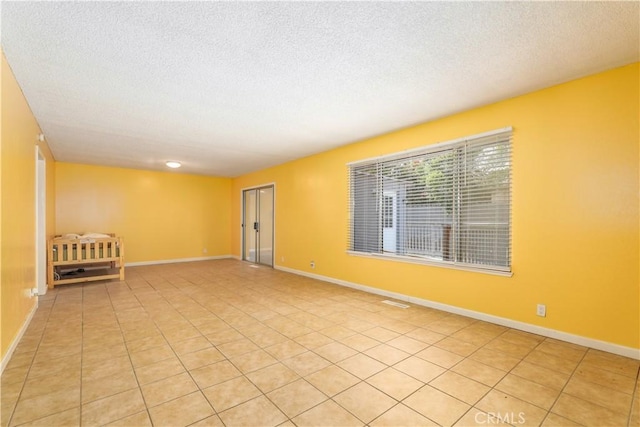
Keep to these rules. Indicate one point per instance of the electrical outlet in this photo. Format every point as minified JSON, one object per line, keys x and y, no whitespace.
{"x":204,"y":250}
{"x":541,"y":310}
{"x":313,"y":264}
{"x":282,"y":259}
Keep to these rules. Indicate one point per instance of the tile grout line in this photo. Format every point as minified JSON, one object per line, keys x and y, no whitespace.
{"x":510,"y":370}
{"x":450,"y":335}
{"x":164,"y":337}
{"x":364,"y":380}
{"x":472,"y":406}
{"x":281,"y":362}
{"x":564,"y":387}
{"x":196,"y":287}
{"x":226,"y":358}
{"x":24,"y":382}
{"x":633,"y":397}
{"x":409,"y":355}
{"x":213,"y":345}
{"x":124,"y":342}
{"x":363,"y":353}
{"x":244,"y":375}
{"x":590,"y":402}
{"x":81,"y":350}
{"x":151,"y":317}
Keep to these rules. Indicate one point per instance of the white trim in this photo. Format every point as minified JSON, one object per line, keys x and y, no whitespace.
{"x":7,"y":357}
{"x":41,"y":222}
{"x":424,"y":261}
{"x":173,"y":261}
{"x":437,"y":146}
{"x":621,"y":350}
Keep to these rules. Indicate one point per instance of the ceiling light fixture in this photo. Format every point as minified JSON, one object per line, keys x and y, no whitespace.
{"x":173,"y":165}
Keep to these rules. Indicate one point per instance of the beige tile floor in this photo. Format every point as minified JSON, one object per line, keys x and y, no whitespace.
{"x":222,"y":343}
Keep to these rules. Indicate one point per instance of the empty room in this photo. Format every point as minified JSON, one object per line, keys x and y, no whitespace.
{"x":320,"y":213}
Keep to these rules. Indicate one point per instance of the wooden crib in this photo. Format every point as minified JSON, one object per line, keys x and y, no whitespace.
{"x":84,"y":259}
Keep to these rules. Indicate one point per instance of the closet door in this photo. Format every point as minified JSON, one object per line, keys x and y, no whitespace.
{"x":265,"y":226}
{"x":250,"y":224}
{"x":257,"y":223}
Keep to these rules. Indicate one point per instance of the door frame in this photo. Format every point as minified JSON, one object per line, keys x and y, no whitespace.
{"x":41,"y":222}
{"x":273,"y":242}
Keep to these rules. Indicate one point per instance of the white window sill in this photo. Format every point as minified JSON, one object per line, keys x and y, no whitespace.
{"x":423,"y":261}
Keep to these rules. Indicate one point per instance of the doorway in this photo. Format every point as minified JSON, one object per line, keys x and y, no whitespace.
{"x":389,"y":221}
{"x":41,"y":228}
{"x":258,"y":225}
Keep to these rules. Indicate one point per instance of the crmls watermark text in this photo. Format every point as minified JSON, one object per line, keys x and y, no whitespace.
{"x":500,"y":417}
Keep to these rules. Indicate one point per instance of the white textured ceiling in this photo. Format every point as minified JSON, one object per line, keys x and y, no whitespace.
{"x":232,"y":87}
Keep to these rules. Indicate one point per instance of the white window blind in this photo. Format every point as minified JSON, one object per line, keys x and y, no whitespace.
{"x":448,"y":203}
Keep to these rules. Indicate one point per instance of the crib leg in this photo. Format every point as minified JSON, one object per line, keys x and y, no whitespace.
{"x":50,"y":277}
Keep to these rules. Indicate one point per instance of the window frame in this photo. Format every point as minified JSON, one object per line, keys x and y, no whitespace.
{"x":499,"y":135}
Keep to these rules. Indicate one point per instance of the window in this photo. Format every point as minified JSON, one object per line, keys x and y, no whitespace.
{"x":448,"y":203}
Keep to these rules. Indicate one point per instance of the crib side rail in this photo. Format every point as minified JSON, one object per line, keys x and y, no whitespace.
{"x":78,"y":251}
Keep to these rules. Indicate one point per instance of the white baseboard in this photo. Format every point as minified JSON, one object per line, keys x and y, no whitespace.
{"x":621,"y":350}
{"x":16,"y":341}
{"x":173,"y":261}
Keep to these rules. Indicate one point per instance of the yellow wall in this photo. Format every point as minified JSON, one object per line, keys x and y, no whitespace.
{"x":160,"y":215}
{"x":18,"y":141}
{"x":576,"y":220}
{"x":575,"y":211}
